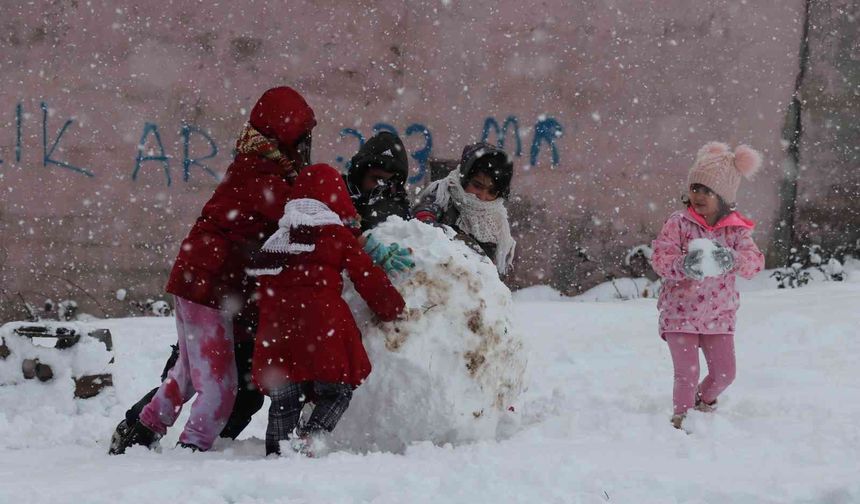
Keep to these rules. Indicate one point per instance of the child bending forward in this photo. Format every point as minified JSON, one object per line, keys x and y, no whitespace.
{"x":308,"y":346}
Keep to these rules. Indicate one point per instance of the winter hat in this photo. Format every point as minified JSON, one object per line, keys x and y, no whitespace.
{"x":281,"y":114}
{"x":319,"y":198}
{"x":491,"y":160}
{"x":720,"y":169}
{"x":384,"y":150}
{"x":323,"y":183}
{"x":486,"y":221}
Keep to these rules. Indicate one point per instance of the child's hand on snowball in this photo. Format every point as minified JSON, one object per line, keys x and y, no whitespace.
{"x":390,"y":257}
{"x":724,"y":257}
{"x":409,"y":315}
{"x":398,"y":258}
{"x":693,"y":265}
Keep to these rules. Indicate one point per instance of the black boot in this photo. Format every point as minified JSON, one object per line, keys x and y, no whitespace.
{"x":116,"y":440}
{"x":126,"y":436}
{"x":189,"y":446}
{"x":272,"y":448}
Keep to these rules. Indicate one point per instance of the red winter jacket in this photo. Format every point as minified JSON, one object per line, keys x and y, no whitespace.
{"x":306,"y":331}
{"x":244,"y":210}
{"x":246,"y":206}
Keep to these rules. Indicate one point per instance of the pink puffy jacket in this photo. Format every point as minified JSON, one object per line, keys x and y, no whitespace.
{"x":707,"y":306}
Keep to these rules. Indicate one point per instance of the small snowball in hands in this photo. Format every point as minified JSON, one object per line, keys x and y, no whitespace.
{"x":710,"y":267}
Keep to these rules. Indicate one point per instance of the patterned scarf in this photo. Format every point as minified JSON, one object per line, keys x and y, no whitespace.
{"x":252,"y":142}
{"x":487,"y":221}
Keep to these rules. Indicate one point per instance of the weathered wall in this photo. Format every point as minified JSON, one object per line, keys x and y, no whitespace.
{"x":611,"y":100}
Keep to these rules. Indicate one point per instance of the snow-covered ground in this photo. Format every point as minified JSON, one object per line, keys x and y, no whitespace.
{"x":594,"y":422}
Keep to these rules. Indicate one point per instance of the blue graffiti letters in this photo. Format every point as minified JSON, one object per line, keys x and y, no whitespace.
{"x":502,"y":133}
{"x":353,"y":133}
{"x":187,"y":161}
{"x":141,"y":147}
{"x":423,"y":155}
{"x":19,"y":115}
{"x":547,"y":130}
{"x":47,"y":158}
{"x":507,"y":134}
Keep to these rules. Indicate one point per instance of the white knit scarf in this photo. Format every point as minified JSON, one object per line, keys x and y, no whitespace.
{"x":299,"y":212}
{"x":487,"y":221}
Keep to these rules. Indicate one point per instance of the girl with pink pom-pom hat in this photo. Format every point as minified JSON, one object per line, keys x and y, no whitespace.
{"x":698,"y":254}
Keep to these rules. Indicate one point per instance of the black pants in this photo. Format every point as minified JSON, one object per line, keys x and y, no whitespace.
{"x":330,"y":403}
{"x":249,"y":400}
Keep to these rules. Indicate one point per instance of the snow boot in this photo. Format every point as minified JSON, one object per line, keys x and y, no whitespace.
{"x":126,"y":436}
{"x":272,"y":449}
{"x":116,"y":439}
{"x":311,"y":445}
{"x":189,"y":446}
{"x":677,"y":421}
{"x":303,"y":446}
{"x":703,"y":406}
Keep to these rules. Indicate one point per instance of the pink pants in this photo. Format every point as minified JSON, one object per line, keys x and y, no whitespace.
{"x":719,"y":350}
{"x":206,"y":366}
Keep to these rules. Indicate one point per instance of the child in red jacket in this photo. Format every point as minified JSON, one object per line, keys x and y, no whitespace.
{"x":209,"y":284}
{"x":307,"y":343}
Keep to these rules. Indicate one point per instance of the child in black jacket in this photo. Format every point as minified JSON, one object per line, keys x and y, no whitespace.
{"x":376,"y":180}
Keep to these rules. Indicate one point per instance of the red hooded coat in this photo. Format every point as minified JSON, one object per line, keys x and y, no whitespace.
{"x":242,"y":212}
{"x":306,"y":330}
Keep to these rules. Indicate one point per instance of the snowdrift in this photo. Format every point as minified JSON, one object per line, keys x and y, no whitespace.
{"x":451,"y":372}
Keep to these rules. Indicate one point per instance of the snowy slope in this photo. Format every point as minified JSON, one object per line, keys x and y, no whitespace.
{"x":594,"y":423}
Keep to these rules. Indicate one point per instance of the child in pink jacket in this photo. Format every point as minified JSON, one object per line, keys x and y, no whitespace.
{"x":698,"y":298}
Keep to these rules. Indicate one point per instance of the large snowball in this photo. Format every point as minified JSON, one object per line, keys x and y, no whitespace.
{"x":452,"y":369}
{"x":710,"y":266}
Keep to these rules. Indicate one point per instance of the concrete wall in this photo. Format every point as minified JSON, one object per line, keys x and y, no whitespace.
{"x":611,"y":99}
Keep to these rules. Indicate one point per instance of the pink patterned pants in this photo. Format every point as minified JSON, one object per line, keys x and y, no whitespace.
{"x":207,"y":367}
{"x":719,"y":350}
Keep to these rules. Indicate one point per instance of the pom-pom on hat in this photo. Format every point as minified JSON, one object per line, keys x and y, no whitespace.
{"x":720,"y":169}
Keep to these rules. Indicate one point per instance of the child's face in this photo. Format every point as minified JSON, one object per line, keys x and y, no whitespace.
{"x":704,"y":201}
{"x":373,"y":178}
{"x":302,"y":149}
{"x":481,"y":185}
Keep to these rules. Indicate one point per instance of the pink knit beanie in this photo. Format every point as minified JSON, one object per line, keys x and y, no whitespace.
{"x":720,"y":169}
